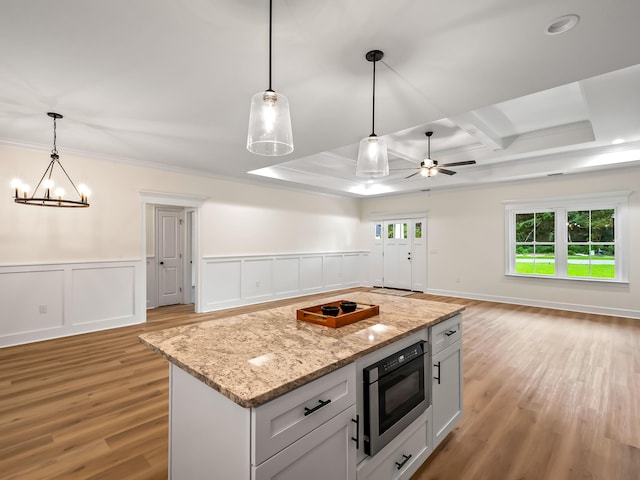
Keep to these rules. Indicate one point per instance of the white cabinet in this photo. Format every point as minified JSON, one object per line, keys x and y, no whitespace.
{"x":445,"y":333}
{"x":402,"y":456}
{"x":282,"y":421}
{"x":328,"y":452}
{"x":308,"y":430}
{"x":446,"y":390}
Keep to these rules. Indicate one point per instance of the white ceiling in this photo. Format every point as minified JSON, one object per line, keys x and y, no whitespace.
{"x":168,"y":83}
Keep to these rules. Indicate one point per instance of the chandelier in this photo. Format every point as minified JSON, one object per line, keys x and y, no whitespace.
{"x":48,"y":193}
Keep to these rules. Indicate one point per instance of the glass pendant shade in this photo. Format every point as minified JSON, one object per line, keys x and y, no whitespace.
{"x":373,"y":161}
{"x":269,"y":125}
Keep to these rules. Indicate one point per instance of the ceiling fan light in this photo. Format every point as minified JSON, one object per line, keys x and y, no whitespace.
{"x":424,"y":172}
{"x":433,"y":171}
{"x":270,"y":132}
{"x":373,"y":160}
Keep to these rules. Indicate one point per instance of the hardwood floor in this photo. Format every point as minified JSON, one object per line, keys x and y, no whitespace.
{"x":548,"y":395}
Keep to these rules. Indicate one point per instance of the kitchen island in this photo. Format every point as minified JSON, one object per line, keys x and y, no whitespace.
{"x":237,"y":383}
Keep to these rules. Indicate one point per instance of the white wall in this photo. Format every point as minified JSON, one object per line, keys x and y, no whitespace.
{"x":466,"y":242}
{"x":236,"y":219}
{"x":465,"y":234}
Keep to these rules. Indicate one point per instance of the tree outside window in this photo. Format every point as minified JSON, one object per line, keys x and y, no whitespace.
{"x":535,"y":247}
{"x":591,"y":243}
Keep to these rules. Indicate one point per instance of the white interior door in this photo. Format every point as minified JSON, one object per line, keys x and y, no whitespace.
{"x":397,"y":254}
{"x":169,"y":255}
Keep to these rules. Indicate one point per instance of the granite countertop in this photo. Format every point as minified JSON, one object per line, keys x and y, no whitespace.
{"x":256,"y":357}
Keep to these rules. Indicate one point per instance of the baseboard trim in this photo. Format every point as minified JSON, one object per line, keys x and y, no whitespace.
{"x":571,"y":307}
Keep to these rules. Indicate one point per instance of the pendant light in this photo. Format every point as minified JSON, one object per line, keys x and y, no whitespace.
{"x":373,"y":161}
{"x":49,"y":192}
{"x":269,"y":120}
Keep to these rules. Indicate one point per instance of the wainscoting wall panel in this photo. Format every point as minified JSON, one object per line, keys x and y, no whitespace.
{"x":311,"y":273}
{"x":100,"y":294}
{"x":41,"y":302}
{"x":243,"y":280}
{"x":31,"y":301}
{"x":332,"y":271}
{"x":286,"y":276}
{"x":257,"y":278}
{"x":221,"y":283}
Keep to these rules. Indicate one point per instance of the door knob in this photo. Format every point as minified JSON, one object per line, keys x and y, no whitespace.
{"x":161,"y":263}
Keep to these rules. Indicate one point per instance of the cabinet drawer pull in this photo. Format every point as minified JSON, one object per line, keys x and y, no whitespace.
{"x":405,"y":460}
{"x":450,"y":332}
{"x":437,"y":365}
{"x":357,"y":439}
{"x":321,"y":403}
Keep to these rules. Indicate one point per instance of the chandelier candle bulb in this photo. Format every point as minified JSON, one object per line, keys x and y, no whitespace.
{"x":16,"y":183}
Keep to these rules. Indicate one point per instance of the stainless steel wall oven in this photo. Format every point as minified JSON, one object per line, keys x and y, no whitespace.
{"x":395,"y":394}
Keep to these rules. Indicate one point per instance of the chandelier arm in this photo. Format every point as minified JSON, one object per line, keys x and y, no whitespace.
{"x":48,"y":170}
{"x":69,"y":178}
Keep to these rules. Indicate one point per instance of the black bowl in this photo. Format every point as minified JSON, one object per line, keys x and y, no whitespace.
{"x":330,"y":310}
{"x":348,"y":307}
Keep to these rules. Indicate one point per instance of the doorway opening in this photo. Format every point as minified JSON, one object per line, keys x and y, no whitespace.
{"x":171,"y":248}
{"x":399,"y":252}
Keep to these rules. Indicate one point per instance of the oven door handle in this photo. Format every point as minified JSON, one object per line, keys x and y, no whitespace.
{"x":321,"y":403}
{"x":437,"y":365}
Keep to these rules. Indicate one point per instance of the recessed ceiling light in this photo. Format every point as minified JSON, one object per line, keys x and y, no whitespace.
{"x":562,"y":24}
{"x":617,"y":141}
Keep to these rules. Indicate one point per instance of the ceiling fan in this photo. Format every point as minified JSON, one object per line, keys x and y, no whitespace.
{"x":429,"y":167}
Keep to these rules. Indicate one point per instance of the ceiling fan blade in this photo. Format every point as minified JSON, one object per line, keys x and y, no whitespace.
{"x":446,"y":172}
{"x":458,"y":164}
{"x":411,"y":175}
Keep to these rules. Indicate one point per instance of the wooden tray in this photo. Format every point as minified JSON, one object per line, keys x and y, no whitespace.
{"x":314,"y":314}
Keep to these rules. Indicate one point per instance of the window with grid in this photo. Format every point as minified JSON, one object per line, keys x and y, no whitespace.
{"x":573,"y":238}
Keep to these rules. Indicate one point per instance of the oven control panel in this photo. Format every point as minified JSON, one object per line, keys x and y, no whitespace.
{"x":392,"y":362}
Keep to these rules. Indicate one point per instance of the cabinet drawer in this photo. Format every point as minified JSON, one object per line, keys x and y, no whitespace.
{"x":401,"y":461}
{"x":327,"y":453}
{"x":282,"y":421}
{"x":444,"y":334}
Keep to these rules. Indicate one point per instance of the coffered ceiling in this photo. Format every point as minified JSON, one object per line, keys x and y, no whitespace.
{"x":167,"y":83}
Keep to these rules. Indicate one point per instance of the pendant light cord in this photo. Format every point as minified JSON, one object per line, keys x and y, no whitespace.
{"x":270,"y":28}
{"x":373,"y":102}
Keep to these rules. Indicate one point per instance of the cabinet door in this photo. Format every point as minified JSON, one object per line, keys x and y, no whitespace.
{"x":403,"y":455}
{"x":447,"y":390}
{"x":328,"y":452}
